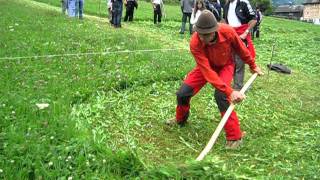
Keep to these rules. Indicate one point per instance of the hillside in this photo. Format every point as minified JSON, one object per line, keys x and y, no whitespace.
{"x":106,"y":111}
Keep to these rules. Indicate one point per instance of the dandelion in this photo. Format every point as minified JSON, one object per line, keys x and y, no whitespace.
{"x":50,"y":163}
{"x":42,"y":105}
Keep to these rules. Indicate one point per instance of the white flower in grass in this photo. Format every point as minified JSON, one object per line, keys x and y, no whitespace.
{"x":1,"y":171}
{"x":70,"y":178}
{"x":69,"y":157}
{"x":42,"y":105}
{"x":50,"y":163}
{"x":52,"y":137}
{"x":13,"y":112}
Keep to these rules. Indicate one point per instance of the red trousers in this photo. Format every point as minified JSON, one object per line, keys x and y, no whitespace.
{"x":192,"y":85}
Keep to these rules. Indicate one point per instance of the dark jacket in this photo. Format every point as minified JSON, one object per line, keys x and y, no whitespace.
{"x":210,"y":6}
{"x":244,"y":11}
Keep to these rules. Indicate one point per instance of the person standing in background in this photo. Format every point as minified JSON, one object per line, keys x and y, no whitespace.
{"x":116,"y":13}
{"x":256,"y":29}
{"x":130,"y":5}
{"x":240,"y":15}
{"x":186,"y":9}
{"x":157,"y":14}
{"x":79,"y":8}
{"x":199,"y":7}
{"x":64,"y":6}
{"x":109,"y":5}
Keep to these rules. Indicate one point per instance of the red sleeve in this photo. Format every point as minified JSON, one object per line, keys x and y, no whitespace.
{"x":242,"y":50}
{"x":203,"y":63}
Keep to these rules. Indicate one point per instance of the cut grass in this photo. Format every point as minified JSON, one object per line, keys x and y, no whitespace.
{"x":106,"y":113}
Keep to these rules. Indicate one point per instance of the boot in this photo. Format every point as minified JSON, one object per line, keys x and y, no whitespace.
{"x":173,"y":122}
{"x":235,"y":144}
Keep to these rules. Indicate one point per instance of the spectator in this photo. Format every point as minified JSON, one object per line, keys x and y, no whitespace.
{"x":130,"y":5}
{"x":256,"y":29}
{"x":116,"y":13}
{"x":109,"y":5}
{"x":64,"y":6}
{"x":157,"y":14}
{"x":186,"y":9}
{"x":199,"y":7}
{"x":79,"y":8}
{"x":210,"y":7}
{"x":240,"y":15}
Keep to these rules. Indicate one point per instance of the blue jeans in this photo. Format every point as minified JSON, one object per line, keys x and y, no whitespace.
{"x":72,"y":8}
{"x":79,"y":8}
{"x":117,"y":13}
{"x":64,"y":6}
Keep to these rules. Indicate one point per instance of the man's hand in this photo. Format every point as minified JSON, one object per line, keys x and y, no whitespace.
{"x":257,"y":70}
{"x":244,"y":34}
{"x":237,"y":96}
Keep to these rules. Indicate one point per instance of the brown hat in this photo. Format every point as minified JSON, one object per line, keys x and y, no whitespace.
{"x":206,"y":23}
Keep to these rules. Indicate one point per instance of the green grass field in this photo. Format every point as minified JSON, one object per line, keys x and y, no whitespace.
{"x":106,"y":112}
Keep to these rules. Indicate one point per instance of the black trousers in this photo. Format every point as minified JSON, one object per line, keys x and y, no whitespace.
{"x":129,"y":11}
{"x":157,"y":14}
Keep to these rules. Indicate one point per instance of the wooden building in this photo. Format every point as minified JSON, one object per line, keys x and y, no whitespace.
{"x":311,"y":12}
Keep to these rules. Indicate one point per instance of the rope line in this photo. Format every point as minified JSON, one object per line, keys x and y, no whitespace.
{"x":89,"y":53}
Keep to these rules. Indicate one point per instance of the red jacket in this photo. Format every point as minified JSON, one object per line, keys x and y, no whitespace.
{"x":211,"y":58}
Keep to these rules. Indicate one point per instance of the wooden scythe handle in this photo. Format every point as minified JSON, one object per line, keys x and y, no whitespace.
{"x":218,"y":130}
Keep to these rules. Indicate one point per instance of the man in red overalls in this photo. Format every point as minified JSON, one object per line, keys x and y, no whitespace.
{"x":213,"y":46}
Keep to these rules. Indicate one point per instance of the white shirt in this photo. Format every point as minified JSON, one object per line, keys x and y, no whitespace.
{"x":193,"y":19}
{"x":233,"y":20}
{"x":157,"y":1}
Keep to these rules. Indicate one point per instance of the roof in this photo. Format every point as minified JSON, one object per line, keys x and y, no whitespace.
{"x":289,"y":8}
{"x":312,"y":2}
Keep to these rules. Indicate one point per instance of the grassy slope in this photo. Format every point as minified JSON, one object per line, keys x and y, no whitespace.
{"x":136,"y":93}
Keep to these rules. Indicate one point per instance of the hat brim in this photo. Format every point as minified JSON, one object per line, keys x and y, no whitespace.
{"x":206,"y":30}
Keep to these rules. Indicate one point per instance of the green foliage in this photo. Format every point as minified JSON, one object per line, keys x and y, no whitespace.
{"x":106,"y":112}
{"x":264,"y":5}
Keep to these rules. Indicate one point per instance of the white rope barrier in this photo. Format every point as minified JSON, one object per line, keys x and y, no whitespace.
{"x":89,"y":53}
